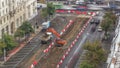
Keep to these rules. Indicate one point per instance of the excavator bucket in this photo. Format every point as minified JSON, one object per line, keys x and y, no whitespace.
{"x":61,"y":42}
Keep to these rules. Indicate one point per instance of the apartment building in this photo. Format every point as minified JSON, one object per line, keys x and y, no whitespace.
{"x":114,"y":57}
{"x":14,"y":12}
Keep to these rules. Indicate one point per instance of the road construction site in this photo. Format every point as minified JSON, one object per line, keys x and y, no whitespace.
{"x":34,"y":49}
{"x":54,"y":55}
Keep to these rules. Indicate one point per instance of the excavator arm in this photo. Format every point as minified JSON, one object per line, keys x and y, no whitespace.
{"x":58,"y":40}
{"x":54,"y":32}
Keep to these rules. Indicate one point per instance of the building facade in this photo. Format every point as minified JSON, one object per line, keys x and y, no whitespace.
{"x":14,"y":12}
{"x":114,"y":57}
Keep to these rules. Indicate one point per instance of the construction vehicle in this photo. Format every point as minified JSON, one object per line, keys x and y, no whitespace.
{"x":58,"y":42}
{"x":45,"y":26}
{"x":46,"y":38}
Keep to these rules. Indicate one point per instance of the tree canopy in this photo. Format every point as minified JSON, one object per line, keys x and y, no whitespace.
{"x":19,"y":33}
{"x":44,"y":12}
{"x":2,"y":45}
{"x":49,"y":10}
{"x":95,"y":53}
{"x":108,"y":22}
{"x":111,"y":16}
{"x":9,"y":41}
{"x":25,"y":28}
{"x":85,"y":64}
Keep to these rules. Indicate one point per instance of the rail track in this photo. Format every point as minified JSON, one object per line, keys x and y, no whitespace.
{"x":24,"y":52}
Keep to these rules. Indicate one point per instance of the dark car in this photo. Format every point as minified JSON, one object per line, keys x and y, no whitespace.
{"x":97,"y":21}
{"x":92,"y":21}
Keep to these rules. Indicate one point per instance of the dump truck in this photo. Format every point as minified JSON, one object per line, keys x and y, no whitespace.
{"x":46,"y":38}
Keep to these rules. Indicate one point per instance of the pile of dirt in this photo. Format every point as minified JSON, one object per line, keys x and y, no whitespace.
{"x":51,"y":60}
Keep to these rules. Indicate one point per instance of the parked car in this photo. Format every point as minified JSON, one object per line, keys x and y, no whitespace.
{"x":92,"y":21}
{"x":39,"y":6}
{"x":99,"y":29}
{"x":97,"y":21}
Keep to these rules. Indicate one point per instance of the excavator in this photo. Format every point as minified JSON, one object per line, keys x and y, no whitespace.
{"x":58,"y":42}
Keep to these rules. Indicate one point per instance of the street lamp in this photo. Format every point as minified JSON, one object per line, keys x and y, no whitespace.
{"x":4,"y":54}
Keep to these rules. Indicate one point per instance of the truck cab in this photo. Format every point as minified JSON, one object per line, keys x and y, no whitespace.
{"x":45,"y":26}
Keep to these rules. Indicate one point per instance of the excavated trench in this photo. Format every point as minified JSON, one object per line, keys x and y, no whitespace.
{"x":55,"y":54}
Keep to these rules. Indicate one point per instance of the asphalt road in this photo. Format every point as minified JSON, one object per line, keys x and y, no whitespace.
{"x":76,"y":51}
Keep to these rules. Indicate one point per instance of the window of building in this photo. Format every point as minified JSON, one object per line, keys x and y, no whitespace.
{"x":0,"y":21}
{"x":33,"y":3}
{"x":21,"y":19}
{"x":17,"y":23}
{"x":7,"y":17}
{"x":6,"y":10}
{"x":3,"y":12}
{"x":29,"y":12}
{"x":21,"y":8}
{"x":6,"y":2}
{"x":2,"y":4}
{"x":34,"y":9}
{"x":12,"y":27}
{"x":7,"y":30}
{"x":24,"y":17}
{"x":2,"y":32}
{"x":4,"y":20}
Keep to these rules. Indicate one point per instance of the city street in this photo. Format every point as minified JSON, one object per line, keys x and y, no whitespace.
{"x":77,"y":50}
{"x":53,"y":33}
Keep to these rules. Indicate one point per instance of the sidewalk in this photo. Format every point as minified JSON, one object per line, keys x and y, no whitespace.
{"x":16,"y":49}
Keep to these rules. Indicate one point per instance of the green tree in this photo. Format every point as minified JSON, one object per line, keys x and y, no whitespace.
{"x":106,"y":25}
{"x":19,"y":34}
{"x":112,"y":16}
{"x":26,"y":27}
{"x":85,"y":64}
{"x":95,"y":53}
{"x":44,"y":13}
{"x":9,"y":42}
{"x":24,"y":30}
{"x":2,"y":46}
{"x":50,"y":9}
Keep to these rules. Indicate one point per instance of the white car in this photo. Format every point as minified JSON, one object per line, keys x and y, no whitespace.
{"x":99,"y":28}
